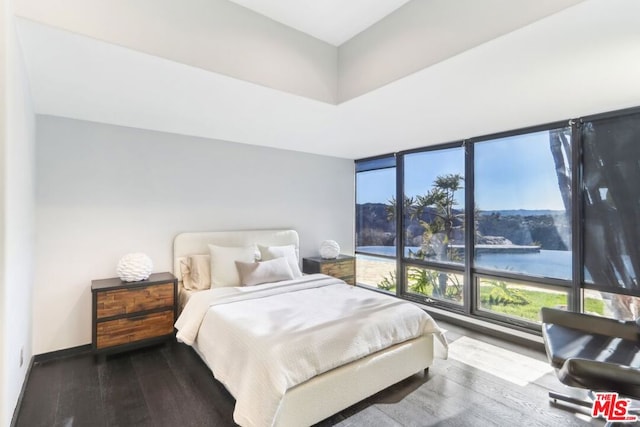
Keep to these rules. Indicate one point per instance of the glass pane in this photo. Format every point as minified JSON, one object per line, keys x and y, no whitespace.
{"x":612,"y":201}
{"x":376,"y":272}
{"x":523,"y":204}
{"x":435,"y":284}
{"x":379,"y":163}
{"x":519,"y":300}
{"x":375,"y":211}
{"x":615,"y":306}
{"x":434,"y":205}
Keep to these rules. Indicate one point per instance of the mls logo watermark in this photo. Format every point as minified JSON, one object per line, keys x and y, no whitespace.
{"x":611,"y":408}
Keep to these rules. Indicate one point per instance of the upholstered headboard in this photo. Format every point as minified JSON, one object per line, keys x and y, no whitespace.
{"x":194,"y":243}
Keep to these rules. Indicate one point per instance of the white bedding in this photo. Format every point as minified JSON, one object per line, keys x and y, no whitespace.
{"x":270,"y":338}
{"x":183,"y":296}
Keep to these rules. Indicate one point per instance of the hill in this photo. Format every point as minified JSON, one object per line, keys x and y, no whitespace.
{"x":548,"y":228}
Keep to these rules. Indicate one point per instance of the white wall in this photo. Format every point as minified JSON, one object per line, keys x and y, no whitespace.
{"x":104,"y":191}
{"x":420,"y":34}
{"x":216,"y":35}
{"x":4,"y":136}
{"x":17,"y":235}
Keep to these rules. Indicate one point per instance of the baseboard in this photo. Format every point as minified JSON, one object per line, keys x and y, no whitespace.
{"x":45,"y":357}
{"x":61,"y":354}
{"x":16,"y":410}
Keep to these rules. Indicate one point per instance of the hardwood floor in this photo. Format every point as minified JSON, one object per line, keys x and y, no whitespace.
{"x":168,"y":385}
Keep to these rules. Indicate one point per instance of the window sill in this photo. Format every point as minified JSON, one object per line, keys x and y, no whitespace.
{"x":527,"y":339}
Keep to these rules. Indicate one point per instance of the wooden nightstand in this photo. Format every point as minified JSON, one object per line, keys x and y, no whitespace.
{"x":127,"y":315}
{"x":343,"y":267}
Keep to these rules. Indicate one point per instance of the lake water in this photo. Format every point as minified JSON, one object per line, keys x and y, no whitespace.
{"x":556,"y":264}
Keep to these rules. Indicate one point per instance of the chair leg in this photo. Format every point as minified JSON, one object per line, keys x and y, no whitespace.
{"x":555,"y":397}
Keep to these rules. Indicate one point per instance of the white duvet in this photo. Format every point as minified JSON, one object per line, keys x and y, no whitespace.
{"x":270,"y":338}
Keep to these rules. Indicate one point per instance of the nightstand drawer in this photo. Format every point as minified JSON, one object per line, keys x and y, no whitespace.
{"x":132,"y":329}
{"x":342,"y":267}
{"x":338,"y":269}
{"x":127,"y":301}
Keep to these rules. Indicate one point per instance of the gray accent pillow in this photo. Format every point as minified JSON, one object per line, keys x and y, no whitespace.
{"x":256,"y":273}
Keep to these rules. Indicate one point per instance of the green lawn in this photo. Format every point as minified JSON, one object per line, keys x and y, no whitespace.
{"x":536,"y":300}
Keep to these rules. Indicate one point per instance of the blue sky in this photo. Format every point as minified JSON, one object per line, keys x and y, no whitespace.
{"x":511,"y":173}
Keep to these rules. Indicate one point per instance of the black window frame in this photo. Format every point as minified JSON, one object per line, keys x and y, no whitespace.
{"x":574,"y":286}
{"x":431,"y":264}
{"x":385,"y":161}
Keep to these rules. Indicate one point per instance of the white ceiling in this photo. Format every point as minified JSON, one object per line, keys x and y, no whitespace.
{"x":553,"y":69}
{"x":333,"y":21}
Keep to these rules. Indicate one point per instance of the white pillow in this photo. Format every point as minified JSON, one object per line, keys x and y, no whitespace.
{"x":288,"y":252}
{"x":255,"y":273}
{"x":223,"y":267}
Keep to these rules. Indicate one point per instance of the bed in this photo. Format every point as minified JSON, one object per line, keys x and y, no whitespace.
{"x":296,"y":386}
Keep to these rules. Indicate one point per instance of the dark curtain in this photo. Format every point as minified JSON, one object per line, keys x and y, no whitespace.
{"x":611,"y":185}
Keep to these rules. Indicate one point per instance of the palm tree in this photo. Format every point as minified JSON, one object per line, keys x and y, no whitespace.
{"x":390,"y":207}
{"x":440,"y":202}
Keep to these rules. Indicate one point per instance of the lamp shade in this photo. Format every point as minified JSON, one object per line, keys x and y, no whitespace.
{"x":329,"y":249}
{"x":134,"y":267}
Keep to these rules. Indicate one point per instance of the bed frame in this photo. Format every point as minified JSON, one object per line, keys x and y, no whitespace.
{"x":333,"y":391}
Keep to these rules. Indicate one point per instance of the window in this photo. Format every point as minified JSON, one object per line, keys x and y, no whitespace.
{"x":518,"y":300}
{"x":612,"y":201}
{"x":434,"y":206}
{"x":607,"y":304}
{"x":523,"y":204}
{"x":376,"y":272}
{"x":447,"y":286}
{"x":500,"y":226}
{"x":376,"y":223}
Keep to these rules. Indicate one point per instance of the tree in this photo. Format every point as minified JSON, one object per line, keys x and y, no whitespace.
{"x":436,"y":213}
{"x":439,"y":203}
{"x":390,"y":207}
